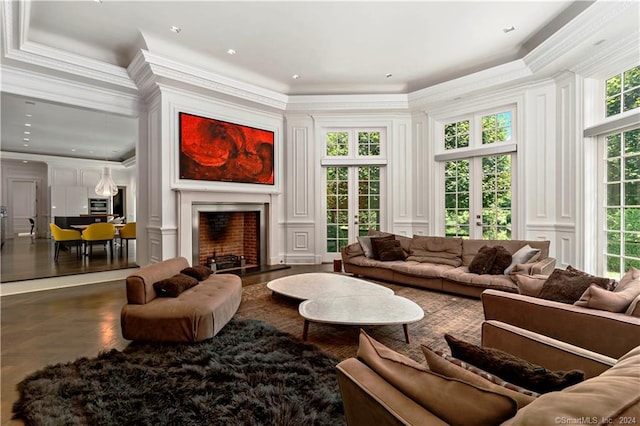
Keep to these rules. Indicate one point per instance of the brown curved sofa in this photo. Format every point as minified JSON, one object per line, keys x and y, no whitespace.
{"x":196,"y":314}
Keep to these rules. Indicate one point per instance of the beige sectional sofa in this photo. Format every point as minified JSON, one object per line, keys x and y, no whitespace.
{"x":380,"y":386}
{"x":196,"y":314}
{"x":438,"y":270}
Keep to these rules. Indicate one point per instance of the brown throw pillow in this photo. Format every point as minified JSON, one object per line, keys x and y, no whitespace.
{"x":172,"y":287}
{"x":375,"y":243}
{"x":513,"y":369}
{"x":483,"y":260}
{"x":568,"y":286}
{"x":389,"y":250}
{"x":501,"y":262}
{"x":198,"y":272}
{"x":606,"y":283}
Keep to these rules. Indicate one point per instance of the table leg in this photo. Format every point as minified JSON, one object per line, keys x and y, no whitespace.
{"x":305,"y":329}
{"x":406,"y":332}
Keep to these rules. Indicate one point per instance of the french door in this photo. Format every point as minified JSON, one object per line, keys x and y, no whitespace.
{"x":352,"y":204}
{"x":478,"y":195}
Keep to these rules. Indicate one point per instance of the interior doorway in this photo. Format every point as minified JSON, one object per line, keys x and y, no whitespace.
{"x":23,"y":206}
{"x":120,"y":202}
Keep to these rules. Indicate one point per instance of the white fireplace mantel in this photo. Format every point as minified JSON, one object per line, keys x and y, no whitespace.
{"x":187,"y":199}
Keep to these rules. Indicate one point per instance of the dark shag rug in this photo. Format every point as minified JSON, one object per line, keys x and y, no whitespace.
{"x":249,"y":374}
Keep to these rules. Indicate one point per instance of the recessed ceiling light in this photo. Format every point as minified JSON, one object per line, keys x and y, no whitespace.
{"x":25,"y":144}
{"x":508,"y":29}
{"x":28,"y":115}
{"x":27,"y":124}
{"x":27,"y":133}
{"x":73,"y":150}
{"x":388,"y":75}
{"x":599,"y":42}
{"x":29,"y":102}
{"x":231,"y":51}
{"x":295,"y":76}
{"x":24,"y":161}
{"x":175,"y":29}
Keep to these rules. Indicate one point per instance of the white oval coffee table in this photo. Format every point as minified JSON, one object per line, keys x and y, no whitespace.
{"x":317,"y":285}
{"x":385,"y":309}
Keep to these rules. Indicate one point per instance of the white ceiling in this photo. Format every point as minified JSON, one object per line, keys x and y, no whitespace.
{"x":335,"y":48}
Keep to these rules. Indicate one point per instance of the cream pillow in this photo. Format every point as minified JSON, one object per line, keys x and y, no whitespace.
{"x":523,"y":255}
{"x":632,"y":275}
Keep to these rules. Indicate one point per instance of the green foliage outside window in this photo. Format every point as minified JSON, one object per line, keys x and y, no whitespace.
{"x":368,"y":143}
{"x":623,"y":92}
{"x":337,"y":144}
{"x":496,"y":128}
{"x":456,"y":135}
{"x":622,"y":200}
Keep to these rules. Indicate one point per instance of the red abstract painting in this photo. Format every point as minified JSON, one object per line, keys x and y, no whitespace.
{"x":220,"y":151}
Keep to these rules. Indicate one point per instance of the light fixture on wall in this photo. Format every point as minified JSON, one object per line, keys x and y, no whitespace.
{"x":106,"y":187}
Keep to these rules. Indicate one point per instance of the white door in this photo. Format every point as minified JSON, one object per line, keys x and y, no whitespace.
{"x":23,"y":205}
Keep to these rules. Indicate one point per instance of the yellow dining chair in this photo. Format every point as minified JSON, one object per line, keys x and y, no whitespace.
{"x":65,"y":236}
{"x":127,"y":232}
{"x":97,"y":233}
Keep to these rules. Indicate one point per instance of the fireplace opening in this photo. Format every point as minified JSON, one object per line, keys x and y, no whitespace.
{"x":229,"y":240}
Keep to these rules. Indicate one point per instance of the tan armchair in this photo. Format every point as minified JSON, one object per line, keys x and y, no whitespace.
{"x":65,"y":236}
{"x":127,"y":232}
{"x":98,"y":233}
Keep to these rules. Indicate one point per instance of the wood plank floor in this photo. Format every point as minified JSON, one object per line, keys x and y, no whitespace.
{"x":48,"y":327}
{"x":23,"y":258}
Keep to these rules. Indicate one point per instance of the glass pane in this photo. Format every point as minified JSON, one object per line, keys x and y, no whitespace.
{"x":450,"y":201}
{"x":368,"y":143}
{"x":614,"y":85}
{"x":613,"y":145}
{"x":632,"y":193}
{"x":368,"y":197}
{"x":332,"y":246}
{"x":337,"y":144}
{"x":632,"y":245}
{"x":613,"y":243}
{"x":332,"y":231}
{"x":632,"y":78}
{"x":614,"y":105}
{"x":613,"y":219}
{"x":343,"y":232}
{"x":632,"y":219}
{"x":613,"y":194}
{"x":631,"y":263}
{"x":613,"y":265}
{"x":631,"y":99}
{"x":456,"y":135}
{"x":632,"y":141}
{"x":632,"y":167}
{"x":613,"y":170}
{"x":496,"y":197}
{"x":496,"y":128}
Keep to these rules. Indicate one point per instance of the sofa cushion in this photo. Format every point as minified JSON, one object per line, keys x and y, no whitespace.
{"x":173,"y":286}
{"x":513,"y":369}
{"x":442,"y":250}
{"x":428,"y":270}
{"x":446,"y":365}
{"x":568,"y":286}
{"x":612,"y":396}
{"x":452,"y":400}
{"x":405,"y":242}
{"x":367,"y":246}
{"x":483,"y":260}
{"x":596,"y":297}
{"x":523,"y":255}
{"x":373,"y":263}
{"x":198,"y":272}
{"x":463,"y":276}
{"x":529,"y":285}
{"x":388,"y":250}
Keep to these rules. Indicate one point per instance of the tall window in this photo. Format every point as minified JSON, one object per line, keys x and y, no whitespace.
{"x":477,"y":186}
{"x":353,"y":185}
{"x":622,"y":202}
{"x":623,"y":92}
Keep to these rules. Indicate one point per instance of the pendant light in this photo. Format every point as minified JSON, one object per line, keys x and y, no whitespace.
{"x":106,"y":187}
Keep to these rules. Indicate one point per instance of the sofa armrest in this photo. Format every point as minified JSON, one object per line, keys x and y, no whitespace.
{"x":369,"y":399}
{"x":543,"y":266}
{"x":542,"y":350}
{"x":352,"y":250}
{"x":608,"y":333}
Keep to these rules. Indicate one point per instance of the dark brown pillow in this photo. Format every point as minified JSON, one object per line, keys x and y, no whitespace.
{"x":501,"y":262}
{"x":567,"y":286}
{"x":606,"y":283}
{"x":172,"y":287}
{"x":513,"y":369}
{"x":198,"y":272}
{"x":375,"y":243}
{"x":390,"y":250}
{"x":483,"y":260}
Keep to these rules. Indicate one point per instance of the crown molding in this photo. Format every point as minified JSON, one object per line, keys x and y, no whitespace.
{"x":148,"y":69}
{"x":374,"y":102}
{"x":594,"y":18}
{"x":18,"y":48}
{"x":55,"y":89}
{"x":619,"y":55}
{"x":60,"y":161}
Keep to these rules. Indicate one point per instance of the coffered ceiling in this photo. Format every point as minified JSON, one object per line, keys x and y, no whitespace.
{"x":372,"y":47}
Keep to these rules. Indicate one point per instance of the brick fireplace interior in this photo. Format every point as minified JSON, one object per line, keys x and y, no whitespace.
{"x":229,"y":236}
